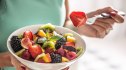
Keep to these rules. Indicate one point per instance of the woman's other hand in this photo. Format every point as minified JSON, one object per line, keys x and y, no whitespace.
{"x":102,"y":26}
{"x":17,"y":64}
{"x":8,"y":60}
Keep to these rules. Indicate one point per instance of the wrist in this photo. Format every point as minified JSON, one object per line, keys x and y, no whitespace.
{"x":65,"y":22}
{"x":67,"y":19}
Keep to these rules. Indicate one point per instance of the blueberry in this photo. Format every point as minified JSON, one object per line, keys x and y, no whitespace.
{"x":56,"y":58}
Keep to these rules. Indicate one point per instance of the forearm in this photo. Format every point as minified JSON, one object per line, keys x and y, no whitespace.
{"x":67,"y":12}
{"x":5,"y":60}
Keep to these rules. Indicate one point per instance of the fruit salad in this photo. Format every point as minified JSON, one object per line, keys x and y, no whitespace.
{"x":45,"y":46}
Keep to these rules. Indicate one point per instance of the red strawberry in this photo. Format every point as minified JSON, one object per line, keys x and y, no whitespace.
{"x":35,"y":50}
{"x":28,"y":34}
{"x":78,"y":18}
{"x":26,"y":42}
{"x":70,"y":44}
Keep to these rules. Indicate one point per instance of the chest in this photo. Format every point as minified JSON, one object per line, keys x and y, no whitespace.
{"x":31,"y":3}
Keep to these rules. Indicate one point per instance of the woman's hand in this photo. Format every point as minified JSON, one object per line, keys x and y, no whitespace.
{"x":102,"y":25}
{"x":17,"y":64}
{"x":9,"y":60}
{"x":5,"y":60}
{"x":113,"y":14}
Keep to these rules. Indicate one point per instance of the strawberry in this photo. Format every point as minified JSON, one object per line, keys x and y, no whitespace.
{"x":78,"y":18}
{"x":28,"y":34}
{"x":70,"y":44}
{"x":35,"y":50}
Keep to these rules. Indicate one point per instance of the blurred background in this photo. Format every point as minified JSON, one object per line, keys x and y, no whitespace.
{"x":102,"y":54}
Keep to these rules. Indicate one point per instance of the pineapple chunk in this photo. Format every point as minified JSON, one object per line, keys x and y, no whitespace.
{"x":41,"y":33}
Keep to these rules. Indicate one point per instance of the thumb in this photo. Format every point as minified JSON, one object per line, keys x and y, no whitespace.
{"x":17,"y":64}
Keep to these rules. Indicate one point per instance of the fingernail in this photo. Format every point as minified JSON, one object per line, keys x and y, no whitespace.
{"x":66,"y":68}
{"x":23,"y":68}
{"x":113,"y":13}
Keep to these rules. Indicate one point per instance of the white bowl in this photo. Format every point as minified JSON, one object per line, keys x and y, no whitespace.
{"x":47,"y":66}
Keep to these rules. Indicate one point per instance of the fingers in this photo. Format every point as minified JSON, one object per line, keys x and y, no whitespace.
{"x":100,"y":11}
{"x":101,"y":32}
{"x":110,"y":21}
{"x":22,"y":68}
{"x":118,"y":18}
{"x":113,"y":14}
{"x":104,"y":26}
{"x":67,"y":68}
{"x":93,"y":30}
{"x":99,"y":29}
{"x":105,"y":23}
{"x":105,"y":10}
{"x":87,"y":30}
{"x":17,"y":64}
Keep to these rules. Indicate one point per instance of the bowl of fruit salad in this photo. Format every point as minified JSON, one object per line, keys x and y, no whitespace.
{"x":46,"y":47}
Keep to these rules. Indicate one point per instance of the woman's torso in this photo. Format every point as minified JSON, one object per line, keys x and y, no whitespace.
{"x":19,"y":13}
